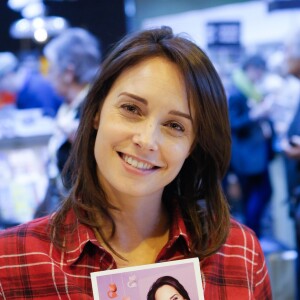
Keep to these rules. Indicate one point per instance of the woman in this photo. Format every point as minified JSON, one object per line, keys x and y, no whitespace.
{"x":151,"y":149}
{"x":166,"y":288}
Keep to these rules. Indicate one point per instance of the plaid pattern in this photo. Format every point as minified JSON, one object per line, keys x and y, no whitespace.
{"x":32,"y":268}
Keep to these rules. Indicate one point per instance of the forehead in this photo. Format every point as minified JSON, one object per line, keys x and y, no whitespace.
{"x":154,"y":75}
{"x":157,"y":66}
{"x":165,"y":292}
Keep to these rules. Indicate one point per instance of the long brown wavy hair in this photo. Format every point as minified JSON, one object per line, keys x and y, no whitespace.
{"x":197,"y":187}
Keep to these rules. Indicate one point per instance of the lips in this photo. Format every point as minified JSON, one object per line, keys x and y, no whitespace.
{"x":138,"y":164}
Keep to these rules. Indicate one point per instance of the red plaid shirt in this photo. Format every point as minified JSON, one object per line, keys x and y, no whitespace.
{"x":32,"y":268}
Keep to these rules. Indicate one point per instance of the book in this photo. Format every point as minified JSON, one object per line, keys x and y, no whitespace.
{"x":134,"y":283}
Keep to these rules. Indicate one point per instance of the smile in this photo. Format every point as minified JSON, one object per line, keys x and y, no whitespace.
{"x":136,"y":163}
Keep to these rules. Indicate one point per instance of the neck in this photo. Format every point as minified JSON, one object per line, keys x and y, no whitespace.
{"x":135,"y":214}
{"x":141,"y":231}
{"x":139,"y":219}
{"x":143,"y":222}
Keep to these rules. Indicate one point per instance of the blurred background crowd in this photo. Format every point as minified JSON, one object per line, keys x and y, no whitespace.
{"x":51,"y":51}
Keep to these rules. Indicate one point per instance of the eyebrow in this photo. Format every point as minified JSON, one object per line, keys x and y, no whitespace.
{"x":173,"y":296}
{"x":140,"y":99}
{"x":180,"y":114}
{"x":145,"y":102}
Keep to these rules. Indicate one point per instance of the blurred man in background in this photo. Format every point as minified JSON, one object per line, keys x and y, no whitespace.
{"x":251,"y":139}
{"x":74,"y":58}
{"x":27,"y":86}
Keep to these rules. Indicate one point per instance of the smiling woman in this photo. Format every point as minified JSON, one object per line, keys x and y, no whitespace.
{"x":151,"y":149}
{"x":144,"y":133}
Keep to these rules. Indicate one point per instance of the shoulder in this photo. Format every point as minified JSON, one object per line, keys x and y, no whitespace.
{"x":36,"y":78}
{"x":240,"y":234}
{"x":243,"y":247}
{"x":242,"y":241}
{"x":32,"y":267}
{"x":34,"y":234}
{"x":36,"y":224}
{"x":239,"y":264}
{"x":235,"y":97}
{"x":233,"y":91}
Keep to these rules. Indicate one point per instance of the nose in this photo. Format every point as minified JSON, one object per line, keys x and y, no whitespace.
{"x":146,"y":137}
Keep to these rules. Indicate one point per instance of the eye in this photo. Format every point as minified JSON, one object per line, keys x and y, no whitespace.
{"x":131,"y":108}
{"x":175,"y":126}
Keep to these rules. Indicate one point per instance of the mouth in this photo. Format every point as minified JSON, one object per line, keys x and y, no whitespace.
{"x":136,"y":163}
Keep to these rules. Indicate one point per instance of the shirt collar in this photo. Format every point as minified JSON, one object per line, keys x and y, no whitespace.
{"x":77,"y":239}
{"x":179,"y":238}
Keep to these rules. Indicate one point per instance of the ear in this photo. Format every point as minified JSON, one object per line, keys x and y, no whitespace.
{"x":96,"y":120}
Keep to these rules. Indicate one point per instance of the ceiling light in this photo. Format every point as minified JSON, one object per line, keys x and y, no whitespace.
{"x":33,"y":10}
{"x":27,"y":28}
{"x":40,"y":35}
{"x":18,"y":5}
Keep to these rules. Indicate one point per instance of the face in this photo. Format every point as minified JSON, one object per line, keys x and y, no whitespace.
{"x":255,"y":74}
{"x":292,"y":63}
{"x":167,"y":292}
{"x":144,"y":130}
{"x":59,"y":79}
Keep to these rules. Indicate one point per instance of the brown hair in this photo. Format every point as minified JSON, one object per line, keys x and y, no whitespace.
{"x":167,"y":280}
{"x":198,"y":182}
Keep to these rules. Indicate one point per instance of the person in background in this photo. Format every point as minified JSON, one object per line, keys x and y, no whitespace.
{"x":167,"y":287}
{"x":291,"y":145}
{"x":28,"y":86}
{"x":152,"y":147}
{"x":252,"y":133}
{"x":74,"y":58}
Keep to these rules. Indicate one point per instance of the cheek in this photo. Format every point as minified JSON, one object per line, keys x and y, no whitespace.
{"x":111,"y":130}
{"x":109,"y":135}
{"x":178,"y":153}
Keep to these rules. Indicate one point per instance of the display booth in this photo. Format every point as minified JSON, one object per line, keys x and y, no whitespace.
{"x":24,"y":136}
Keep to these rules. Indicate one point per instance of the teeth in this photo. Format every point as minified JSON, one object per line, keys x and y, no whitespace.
{"x":137,"y":164}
